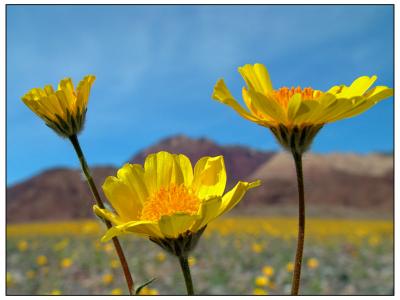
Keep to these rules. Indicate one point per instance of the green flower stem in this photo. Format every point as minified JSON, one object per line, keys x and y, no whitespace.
{"x":183,"y":260}
{"x":300,"y":238}
{"x":96,"y":195}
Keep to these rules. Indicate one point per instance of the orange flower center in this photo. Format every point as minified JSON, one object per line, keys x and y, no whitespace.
{"x":170,"y":200}
{"x":284,"y":94}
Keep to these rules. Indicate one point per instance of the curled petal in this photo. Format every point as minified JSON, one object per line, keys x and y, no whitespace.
{"x":209,"y":177}
{"x":222,"y":94}
{"x":231,"y":198}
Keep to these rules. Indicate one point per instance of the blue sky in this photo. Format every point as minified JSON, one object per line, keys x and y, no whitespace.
{"x":156,"y":67}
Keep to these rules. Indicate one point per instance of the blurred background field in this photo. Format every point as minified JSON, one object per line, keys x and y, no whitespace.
{"x":237,"y":255}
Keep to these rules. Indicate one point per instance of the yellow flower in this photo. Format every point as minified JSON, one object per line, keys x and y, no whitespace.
{"x":167,"y":199}
{"x":66,"y":263}
{"x":258,"y":291}
{"x":107,"y":278}
{"x":290,"y":267}
{"x":114,"y":263}
{"x":9,"y":279}
{"x":268,"y":270}
{"x":192,"y":261}
{"x":148,"y":291}
{"x":256,"y":247}
{"x":30,"y":274}
{"x":108,"y":248}
{"x":22,"y":245}
{"x":160,"y":257}
{"x":55,"y":292}
{"x":61,"y":245}
{"x":262,"y":281}
{"x":41,"y":260}
{"x":312,"y":263}
{"x":116,"y":292}
{"x":62,"y":110}
{"x":374,"y":240}
{"x":295,"y":115}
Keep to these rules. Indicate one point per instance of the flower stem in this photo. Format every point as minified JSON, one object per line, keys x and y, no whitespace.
{"x":96,"y":195}
{"x":300,"y":238}
{"x":183,"y":260}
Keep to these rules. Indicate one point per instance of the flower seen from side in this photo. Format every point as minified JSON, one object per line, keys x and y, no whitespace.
{"x":64,"y":109}
{"x":295,"y":115}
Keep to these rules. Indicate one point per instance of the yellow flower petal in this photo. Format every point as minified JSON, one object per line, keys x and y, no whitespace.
{"x":209,"y":177}
{"x":379,"y":93}
{"x":66,"y":87}
{"x":106,"y":214}
{"x":176,"y":224}
{"x":209,"y":210}
{"x":145,"y":228}
{"x":342,"y":107}
{"x":132,"y":175}
{"x":186,"y":168}
{"x":247,"y":99}
{"x":293,"y":106}
{"x":357,"y":88}
{"x":358,"y":105}
{"x":83,"y":90}
{"x":231,"y":198}
{"x":267,"y":106}
{"x":123,"y":199}
{"x":257,"y":78}
{"x":160,"y":170}
{"x":222,"y":94}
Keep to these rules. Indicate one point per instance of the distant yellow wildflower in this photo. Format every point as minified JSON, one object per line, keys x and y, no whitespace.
{"x":260,"y":292}
{"x":61,"y":245}
{"x":148,"y":291}
{"x":114,"y":263}
{"x":116,"y":291}
{"x":312,"y":263}
{"x":289,"y":267}
{"x":160,"y":257}
{"x":268,"y":271}
{"x":261,"y":281}
{"x":55,"y":292}
{"x":256,"y":248}
{"x":192,"y":260}
{"x":296,"y":115}
{"x":22,"y":245}
{"x":41,"y":260}
{"x":66,"y":263}
{"x":167,"y":199}
{"x":62,"y":110}
{"x":109,"y":248}
{"x":107,"y":278}
{"x":9,"y":279}
{"x":374,"y":240}
{"x":30,"y":274}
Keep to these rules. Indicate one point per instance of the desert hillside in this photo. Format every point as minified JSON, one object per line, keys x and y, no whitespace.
{"x":361,"y":182}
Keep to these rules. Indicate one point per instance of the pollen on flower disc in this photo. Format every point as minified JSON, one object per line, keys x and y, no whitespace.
{"x":284,"y":94}
{"x":168,"y":201}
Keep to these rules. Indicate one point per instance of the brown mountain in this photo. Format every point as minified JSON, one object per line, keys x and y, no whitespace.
{"x":359,"y":181}
{"x":364,"y":182}
{"x":56,"y":194}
